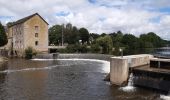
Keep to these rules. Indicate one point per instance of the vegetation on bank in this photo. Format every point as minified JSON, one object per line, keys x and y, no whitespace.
{"x":3,"y":36}
{"x":80,"y":40}
{"x":30,"y":52}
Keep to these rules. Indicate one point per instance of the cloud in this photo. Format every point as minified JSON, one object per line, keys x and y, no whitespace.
{"x":98,"y":16}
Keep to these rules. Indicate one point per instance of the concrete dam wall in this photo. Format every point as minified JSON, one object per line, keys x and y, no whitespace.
{"x":119,"y":66}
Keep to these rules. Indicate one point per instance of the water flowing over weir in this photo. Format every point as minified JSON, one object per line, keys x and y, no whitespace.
{"x":130,"y":86}
{"x":78,"y":77}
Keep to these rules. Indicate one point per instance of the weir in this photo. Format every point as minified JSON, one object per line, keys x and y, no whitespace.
{"x":119,"y":66}
{"x":147,"y":71}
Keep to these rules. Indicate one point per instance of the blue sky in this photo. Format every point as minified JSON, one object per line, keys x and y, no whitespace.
{"x":98,"y":16}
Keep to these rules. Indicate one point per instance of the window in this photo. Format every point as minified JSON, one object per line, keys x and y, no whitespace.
{"x":36,"y":43}
{"x":36,"y":34}
{"x":36,"y":28}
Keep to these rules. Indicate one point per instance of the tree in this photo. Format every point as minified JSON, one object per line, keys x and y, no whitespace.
{"x":84,"y":35}
{"x":103,"y":34}
{"x":106,"y":43}
{"x":151,"y":40}
{"x":117,"y":38}
{"x":73,"y":37}
{"x":55,"y":34}
{"x":131,"y":41}
{"x":3,"y":36}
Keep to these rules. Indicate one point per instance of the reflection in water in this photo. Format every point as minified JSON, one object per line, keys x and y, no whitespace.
{"x":3,"y":66}
{"x":62,"y":79}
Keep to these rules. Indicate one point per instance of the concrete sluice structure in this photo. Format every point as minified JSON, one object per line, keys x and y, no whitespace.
{"x":147,"y":71}
{"x":149,"y":77}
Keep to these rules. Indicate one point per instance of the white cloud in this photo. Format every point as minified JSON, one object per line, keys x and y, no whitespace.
{"x":130,"y":16}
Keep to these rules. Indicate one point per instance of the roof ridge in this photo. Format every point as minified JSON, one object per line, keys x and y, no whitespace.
{"x":22,"y":20}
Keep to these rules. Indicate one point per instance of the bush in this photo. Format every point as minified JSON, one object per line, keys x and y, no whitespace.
{"x":29,"y":53}
{"x":72,"y":48}
{"x":95,"y":48}
{"x":77,"y":48}
{"x":83,"y":48}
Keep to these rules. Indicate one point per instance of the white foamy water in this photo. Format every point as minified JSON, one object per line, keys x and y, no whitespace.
{"x":106,"y":64}
{"x":164,"y":97}
{"x":129,"y":87}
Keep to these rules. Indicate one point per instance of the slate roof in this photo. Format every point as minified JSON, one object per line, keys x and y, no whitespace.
{"x":24,"y":20}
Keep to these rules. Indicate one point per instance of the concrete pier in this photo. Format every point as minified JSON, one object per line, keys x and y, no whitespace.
{"x":119,"y":70}
{"x":119,"y":67}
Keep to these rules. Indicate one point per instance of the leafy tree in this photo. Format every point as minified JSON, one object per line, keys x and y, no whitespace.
{"x":151,"y":40}
{"x":55,"y":34}
{"x":106,"y":43}
{"x":84,"y":35}
{"x":93,"y":37}
{"x":117,"y":38}
{"x":103,"y":34}
{"x":131,"y":41}
{"x":3,"y":36}
{"x":95,"y":48}
{"x":73,"y":37}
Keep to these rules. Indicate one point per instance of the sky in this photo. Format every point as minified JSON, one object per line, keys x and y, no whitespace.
{"x":98,"y":16}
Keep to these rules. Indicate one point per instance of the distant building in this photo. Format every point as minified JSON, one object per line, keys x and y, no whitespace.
{"x":29,"y":31}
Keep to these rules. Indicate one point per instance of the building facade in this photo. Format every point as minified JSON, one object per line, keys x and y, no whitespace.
{"x":31,"y":31}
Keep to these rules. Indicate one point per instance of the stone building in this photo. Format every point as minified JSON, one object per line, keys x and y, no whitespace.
{"x":31,"y":31}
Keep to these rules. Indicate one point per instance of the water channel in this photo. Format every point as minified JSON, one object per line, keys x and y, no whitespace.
{"x":64,"y":79}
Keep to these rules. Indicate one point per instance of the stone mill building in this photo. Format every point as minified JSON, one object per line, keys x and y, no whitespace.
{"x":31,"y":31}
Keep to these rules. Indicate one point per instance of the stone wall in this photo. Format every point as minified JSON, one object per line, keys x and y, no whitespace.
{"x":42,"y":30}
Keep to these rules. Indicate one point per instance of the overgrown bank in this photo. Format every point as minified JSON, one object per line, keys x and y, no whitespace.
{"x":81,"y":41}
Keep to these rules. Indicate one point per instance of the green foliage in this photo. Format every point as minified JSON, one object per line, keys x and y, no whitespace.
{"x":84,"y":35}
{"x":70,"y":34}
{"x":62,"y":50}
{"x":83,"y":48}
{"x":95,"y":48}
{"x":3,"y":36}
{"x":77,"y":48}
{"x":72,"y":48}
{"x":55,"y":34}
{"x":151,"y":40}
{"x":102,"y":43}
{"x":73,"y":37}
{"x":130,"y":41}
{"x":106,"y":43}
{"x":116,"y":38}
{"x":93,"y":37}
{"x":29,"y":53}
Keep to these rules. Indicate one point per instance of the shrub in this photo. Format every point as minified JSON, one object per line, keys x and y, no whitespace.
{"x":83,"y":48}
{"x":95,"y":48}
{"x":72,"y":48}
{"x":29,"y":53}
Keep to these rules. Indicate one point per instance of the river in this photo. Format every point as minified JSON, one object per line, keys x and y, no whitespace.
{"x":64,"y":79}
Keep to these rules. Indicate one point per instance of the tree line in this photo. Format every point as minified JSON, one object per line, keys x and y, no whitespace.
{"x":80,"y":40}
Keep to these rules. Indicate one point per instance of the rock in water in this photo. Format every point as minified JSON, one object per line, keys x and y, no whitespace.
{"x":107,"y":78}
